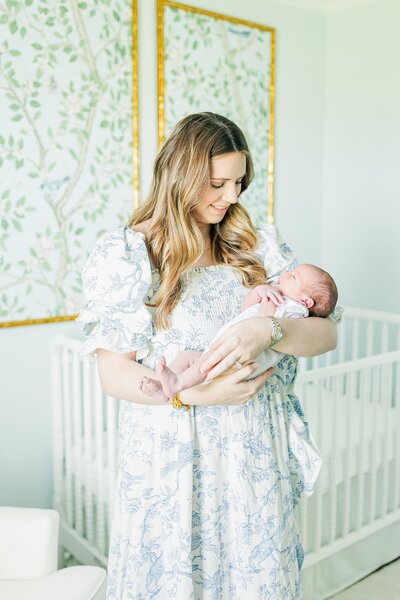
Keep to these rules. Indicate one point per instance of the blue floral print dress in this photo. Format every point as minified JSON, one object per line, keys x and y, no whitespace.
{"x":205,"y":498}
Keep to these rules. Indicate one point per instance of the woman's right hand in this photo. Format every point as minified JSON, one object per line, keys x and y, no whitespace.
{"x":229,"y":389}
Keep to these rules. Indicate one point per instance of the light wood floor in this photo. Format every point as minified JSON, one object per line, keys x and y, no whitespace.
{"x":384,"y":584}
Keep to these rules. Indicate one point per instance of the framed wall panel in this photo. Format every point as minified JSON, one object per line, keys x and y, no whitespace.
{"x":213,"y":62}
{"x":68,"y":74}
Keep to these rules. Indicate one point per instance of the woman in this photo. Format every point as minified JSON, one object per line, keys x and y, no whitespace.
{"x":205,"y":496}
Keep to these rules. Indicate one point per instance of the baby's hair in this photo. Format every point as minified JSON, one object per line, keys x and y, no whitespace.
{"x":324,"y":293}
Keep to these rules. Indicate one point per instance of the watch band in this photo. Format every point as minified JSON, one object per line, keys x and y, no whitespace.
{"x":276,"y":332}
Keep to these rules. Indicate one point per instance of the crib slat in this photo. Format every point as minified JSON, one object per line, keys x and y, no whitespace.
{"x":111,"y":412}
{"x":386,"y":387}
{"x":57,"y":430}
{"x":334,"y":489}
{"x":342,"y":345}
{"x":69,"y":467}
{"x":396,"y":402}
{"x":384,"y":338}
{"x":77,"y":437}
{"x":362,"y":448}
{"x":88,"y":450}
{"x":355,"y":352}
{"x":347,"y":458}
{"x":99,"y":465}
{"x":331,"y":357}
{"x":370,"y":337}
{"x":373,"y":491}
{"x":318,"y":502}
{"x":307,"y":503}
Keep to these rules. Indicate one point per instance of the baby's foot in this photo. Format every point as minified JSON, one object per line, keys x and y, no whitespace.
{"x":153,"y":388}
{"x":169,"y":379}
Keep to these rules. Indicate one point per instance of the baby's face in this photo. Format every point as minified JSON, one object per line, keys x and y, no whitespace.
{"x":296,"y":284}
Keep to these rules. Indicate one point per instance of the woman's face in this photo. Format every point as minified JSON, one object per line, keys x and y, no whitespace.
{"x":226,"y":174}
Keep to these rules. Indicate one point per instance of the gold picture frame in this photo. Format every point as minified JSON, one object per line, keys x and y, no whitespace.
{"x":162,"y":5}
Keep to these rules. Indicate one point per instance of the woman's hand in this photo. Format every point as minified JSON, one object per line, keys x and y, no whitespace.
{"x":244,"y":341}
{"x":230,"y":389}
{"x":241,"y":343}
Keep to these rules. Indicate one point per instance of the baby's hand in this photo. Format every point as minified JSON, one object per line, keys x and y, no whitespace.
{"x":269,"y":292}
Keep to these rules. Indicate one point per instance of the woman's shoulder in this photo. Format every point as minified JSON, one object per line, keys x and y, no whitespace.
{"x":143,"y":228}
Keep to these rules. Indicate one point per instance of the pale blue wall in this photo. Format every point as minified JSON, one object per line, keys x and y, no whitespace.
{"x":25,"y":413}
{"x":362,"y":154}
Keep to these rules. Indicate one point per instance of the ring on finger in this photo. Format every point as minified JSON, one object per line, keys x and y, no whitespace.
{"x":238,"y":365}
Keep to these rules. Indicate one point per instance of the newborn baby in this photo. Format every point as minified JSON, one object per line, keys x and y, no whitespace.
{"x":305,"y":291}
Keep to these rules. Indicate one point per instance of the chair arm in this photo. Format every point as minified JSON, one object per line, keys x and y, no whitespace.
{"x":28,"y":542}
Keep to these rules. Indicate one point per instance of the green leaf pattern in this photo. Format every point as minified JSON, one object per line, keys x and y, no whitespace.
{"x":215,"y":65}
{"x":65,"y":146}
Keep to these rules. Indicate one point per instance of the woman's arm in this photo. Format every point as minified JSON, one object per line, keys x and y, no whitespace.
{"x":244,"y":341}
{"x":120,"y":375}
{"x":307,"y":337}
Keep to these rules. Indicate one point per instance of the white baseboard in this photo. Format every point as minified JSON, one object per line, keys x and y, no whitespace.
{"x":340,"y":570}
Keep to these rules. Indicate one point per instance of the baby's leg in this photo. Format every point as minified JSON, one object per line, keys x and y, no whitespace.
{"x":157,"y":389}
{"x":184,"y":360}
{"x":152,"y":387}
{"x":184,"y":372}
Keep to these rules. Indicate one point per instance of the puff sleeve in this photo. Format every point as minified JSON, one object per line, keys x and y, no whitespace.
{"x":275,"y":255}
{"x":116,"y":279}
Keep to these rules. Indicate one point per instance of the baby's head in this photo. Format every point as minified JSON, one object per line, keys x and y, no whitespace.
{"x":311,"y":286}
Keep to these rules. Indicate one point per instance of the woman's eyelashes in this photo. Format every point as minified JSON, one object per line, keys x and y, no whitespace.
{"x":218,"y":187}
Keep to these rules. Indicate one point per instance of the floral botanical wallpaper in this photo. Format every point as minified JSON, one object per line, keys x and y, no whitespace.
{"x":213,"y":64}
{"x":65,"y":146}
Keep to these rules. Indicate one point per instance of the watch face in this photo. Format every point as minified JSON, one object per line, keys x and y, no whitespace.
{"x":277,"y":332}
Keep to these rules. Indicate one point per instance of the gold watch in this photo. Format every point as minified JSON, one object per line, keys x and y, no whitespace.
{"x":276,"y":332}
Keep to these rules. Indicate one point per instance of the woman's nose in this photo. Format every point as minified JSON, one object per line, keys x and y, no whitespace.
{"x":230,"y":196}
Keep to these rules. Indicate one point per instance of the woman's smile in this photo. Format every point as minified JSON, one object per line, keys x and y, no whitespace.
{"x":226,"y":174}
{"x":219,"y":208}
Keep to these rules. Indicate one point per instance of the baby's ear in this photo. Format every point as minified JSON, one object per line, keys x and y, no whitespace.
{"x":308,"y":302}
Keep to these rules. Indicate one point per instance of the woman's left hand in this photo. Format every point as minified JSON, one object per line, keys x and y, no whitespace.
{"x":241,"y":343}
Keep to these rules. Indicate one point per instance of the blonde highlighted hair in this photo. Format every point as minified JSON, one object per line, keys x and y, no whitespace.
{"x":180,"y":178}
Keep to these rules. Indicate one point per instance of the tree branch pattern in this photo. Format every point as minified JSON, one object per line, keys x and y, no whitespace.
{"x":216,"y":65}
{"x":65,"y":146}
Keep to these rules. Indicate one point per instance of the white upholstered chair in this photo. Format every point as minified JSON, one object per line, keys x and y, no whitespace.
{"x":29,"y":557}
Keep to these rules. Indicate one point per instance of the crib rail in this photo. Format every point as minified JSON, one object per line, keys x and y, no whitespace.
{"x":362,"y":333}
{"x":84,"y":448}
{"x":360,"y":481}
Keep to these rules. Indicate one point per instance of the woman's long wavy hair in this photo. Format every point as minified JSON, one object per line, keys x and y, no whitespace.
{"x":181,"y":177}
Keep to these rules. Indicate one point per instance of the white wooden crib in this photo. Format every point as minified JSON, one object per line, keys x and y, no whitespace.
{"x":351,"y":397}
